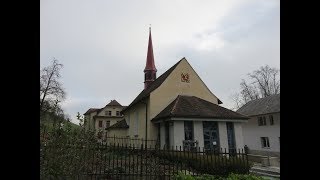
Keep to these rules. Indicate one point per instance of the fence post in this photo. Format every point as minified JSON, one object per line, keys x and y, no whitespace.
{"x":141,"y":165}
{"x":246,"y":153}
{"x":133,"y":153}
{"x":180,"y":160}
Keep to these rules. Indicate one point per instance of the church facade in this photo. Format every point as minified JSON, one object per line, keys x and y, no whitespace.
{"x":178,"y":109}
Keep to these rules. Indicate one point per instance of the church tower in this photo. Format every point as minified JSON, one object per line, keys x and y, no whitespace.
{"x":150,"y":71}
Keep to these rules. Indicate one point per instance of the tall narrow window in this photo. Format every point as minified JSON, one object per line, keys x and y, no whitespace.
{"x":129,"y":124}
{"x":158,"y":138}
{"x":231,"y":138}
{"x":137,"y":123}
{"x":271,"y":119}
{"x":262,"y":121}
{"x":118,"y":113}
{"x":109,"y":113}
{"x":188,"y":130}
{"x":211,"y":135}
{"x":167,"y":138}
{"x":265,"y":142}
{"x":100,"y":123}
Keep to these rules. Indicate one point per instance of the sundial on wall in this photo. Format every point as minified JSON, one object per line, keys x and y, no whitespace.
{"x":185,"y":77}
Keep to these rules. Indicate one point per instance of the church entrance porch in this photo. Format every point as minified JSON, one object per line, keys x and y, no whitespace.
{"x":210,"y":136}
{"x":206,"y":135}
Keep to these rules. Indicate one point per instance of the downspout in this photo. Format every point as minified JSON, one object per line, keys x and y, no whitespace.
{"x":146,"y":135}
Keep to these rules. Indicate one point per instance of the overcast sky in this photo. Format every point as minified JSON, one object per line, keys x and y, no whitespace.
{"x":103,"y":44}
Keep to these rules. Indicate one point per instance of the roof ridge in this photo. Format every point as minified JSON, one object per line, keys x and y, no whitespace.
{"x":154,"y":85}
{"x":175,"y":104}
{"x":120,"y":124}
{"x":196,"y":107}
{"x":269,"y":104}
{"x":267,"y":97}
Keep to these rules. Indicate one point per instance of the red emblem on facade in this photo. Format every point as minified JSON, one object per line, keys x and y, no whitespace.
{"x":185,"y":78}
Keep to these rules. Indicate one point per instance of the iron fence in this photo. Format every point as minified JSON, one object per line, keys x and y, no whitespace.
{"x":123,"y":141}
{"x":126,"y":161}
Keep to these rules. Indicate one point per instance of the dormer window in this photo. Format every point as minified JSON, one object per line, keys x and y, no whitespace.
{"x":107,"y":113}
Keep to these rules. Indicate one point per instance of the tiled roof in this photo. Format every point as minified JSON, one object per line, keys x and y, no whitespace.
{"x":96,"y":116}
{"x":154,"y":85}
{"x":114,"y":103}
{"x":91,"y":110}
{"x":111,"y":103}
{"x":121,"y":124}
{"x":270,"y":104}
{"x":194,"y":107}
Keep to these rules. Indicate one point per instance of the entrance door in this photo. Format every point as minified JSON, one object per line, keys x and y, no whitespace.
{"x":210,"y":136}
{"x":231,"y":138}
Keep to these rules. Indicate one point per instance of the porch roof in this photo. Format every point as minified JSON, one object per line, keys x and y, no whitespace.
{"x":194,"y":107}
{"x":119,"y":125}
{"x":91,"y":110}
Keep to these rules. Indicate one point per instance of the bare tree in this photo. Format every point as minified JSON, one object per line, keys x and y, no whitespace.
{"x":51,"y":90}
{"x":262,"y":83}
{"x":248,"y":91}
{"x":267,"y":80}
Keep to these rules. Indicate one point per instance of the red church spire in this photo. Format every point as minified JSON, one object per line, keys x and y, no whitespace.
{"x":150,"y":69}
{"x":150,"y":59}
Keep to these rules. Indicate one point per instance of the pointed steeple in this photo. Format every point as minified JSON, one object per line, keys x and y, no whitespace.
{"x":150,"y":69}
{"x":150,"y":58}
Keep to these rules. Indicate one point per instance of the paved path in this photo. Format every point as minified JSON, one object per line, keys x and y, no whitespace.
{"x":270,"y":172}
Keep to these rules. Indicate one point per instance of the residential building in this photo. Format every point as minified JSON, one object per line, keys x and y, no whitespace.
{"x":262,"y":132}
{"x":99,"y":119}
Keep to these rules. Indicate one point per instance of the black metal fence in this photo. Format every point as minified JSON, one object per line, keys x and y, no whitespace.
{"x":115,"y":161}
{"x":123,"y":141}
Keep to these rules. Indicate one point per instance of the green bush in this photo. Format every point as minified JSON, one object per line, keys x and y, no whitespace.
{"x":63,"y":149}
{"x":231,"y":176}
{"x":208,"y":164}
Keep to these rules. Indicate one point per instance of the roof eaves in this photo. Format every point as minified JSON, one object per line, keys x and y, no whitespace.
{"x":154,"y":85}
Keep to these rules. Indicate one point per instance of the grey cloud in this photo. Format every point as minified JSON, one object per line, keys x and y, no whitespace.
{"x":103,"y":44}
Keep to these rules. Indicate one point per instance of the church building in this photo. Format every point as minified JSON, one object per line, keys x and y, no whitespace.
{"x":178,"y":109}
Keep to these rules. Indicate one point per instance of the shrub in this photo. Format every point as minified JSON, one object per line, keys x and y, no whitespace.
{"x":209,"y":164}
{"x":62,"y":150}
{"x":231,"y":176}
